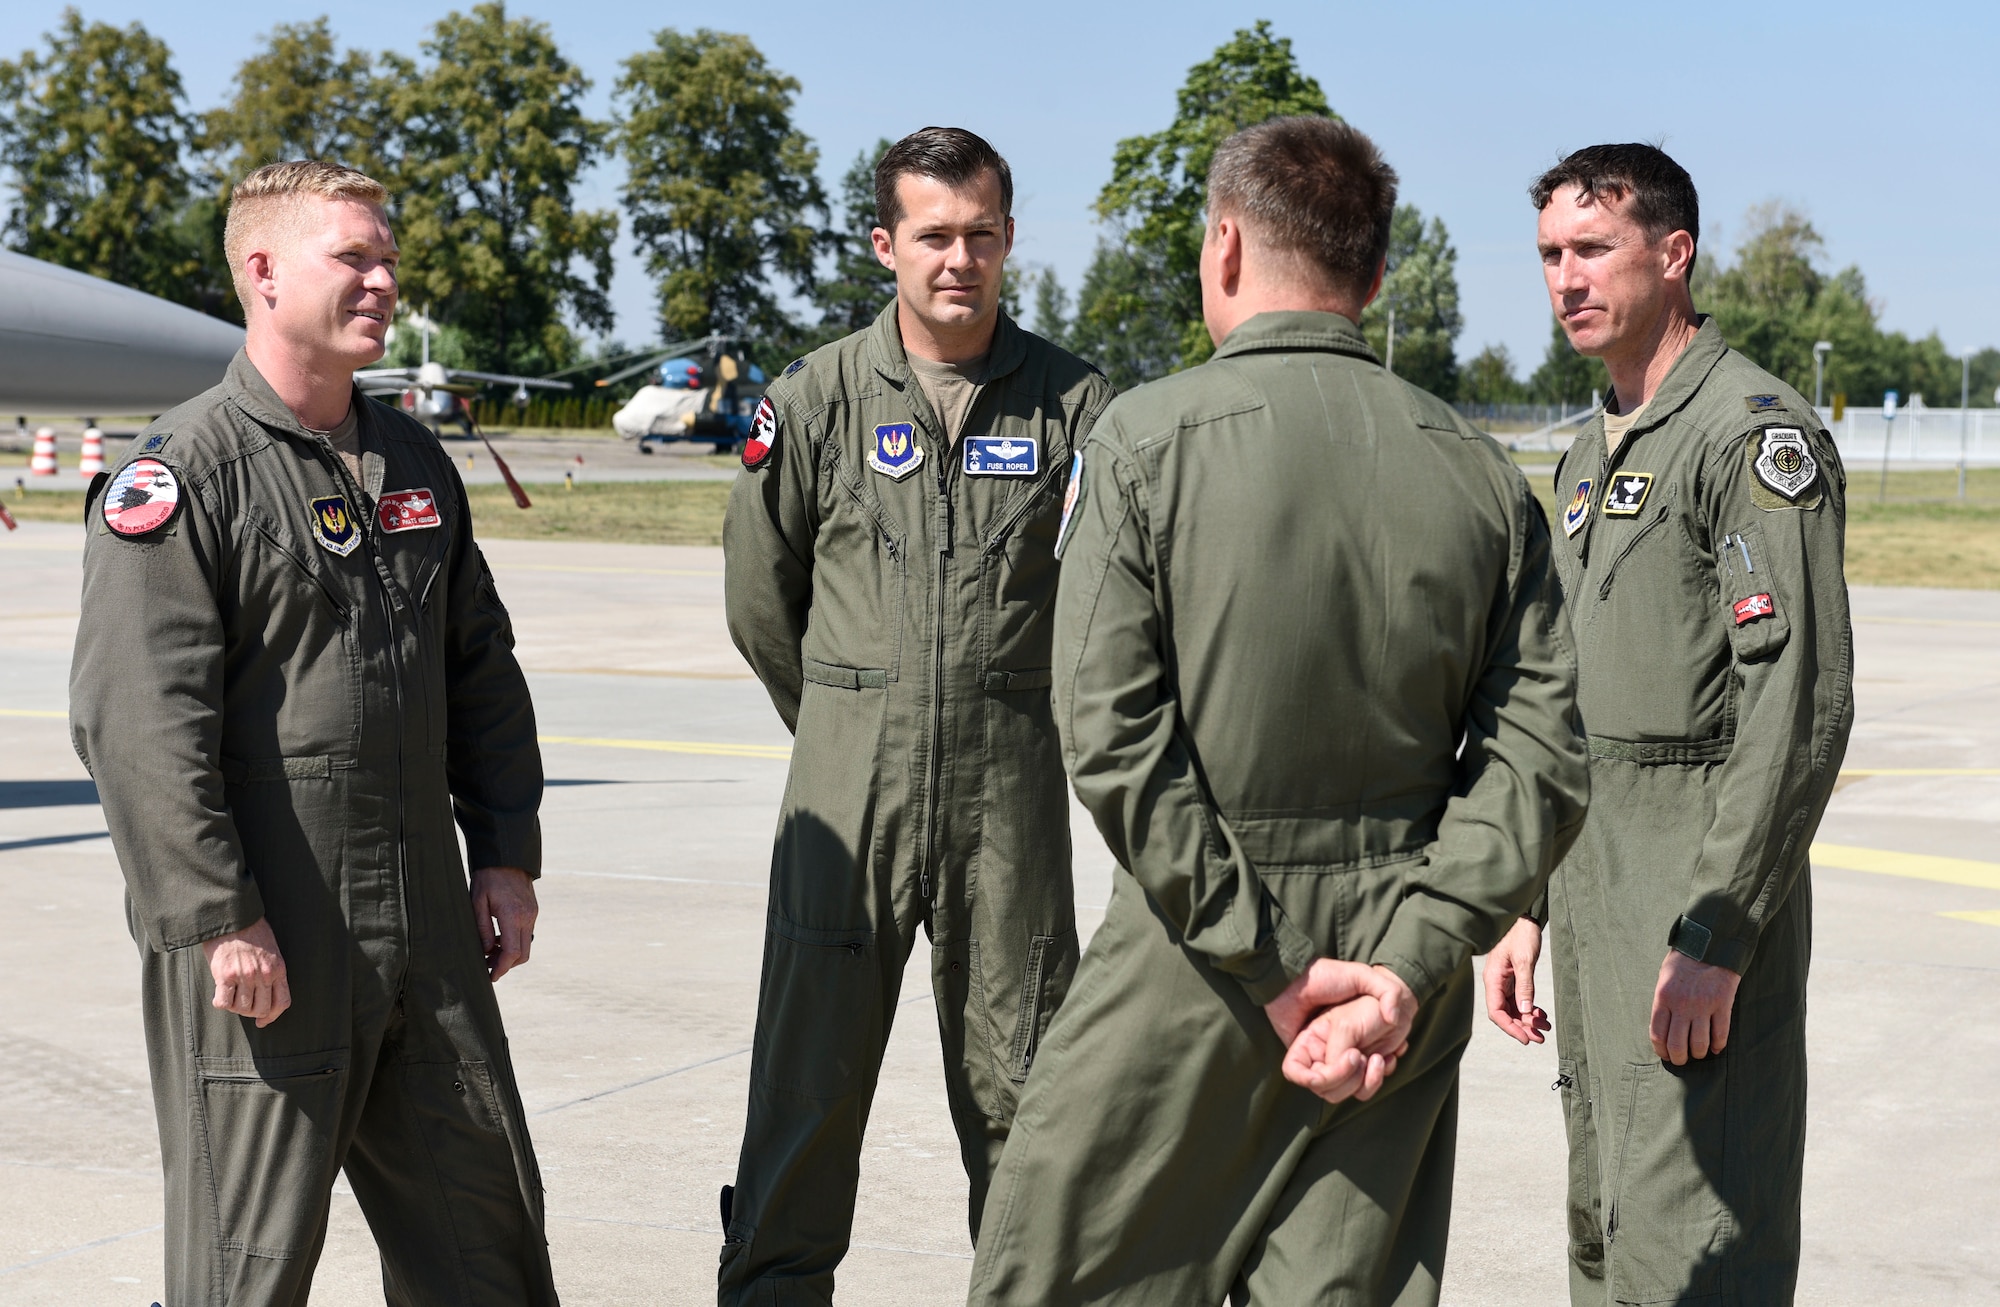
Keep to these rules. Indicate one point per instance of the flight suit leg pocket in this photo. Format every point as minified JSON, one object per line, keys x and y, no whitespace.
{"x":1585,"y":1206}
{"x":819,"y":1020}
{"x":457,"y":1109}
{"x":268,"y":1127}
{"x":1044,"y":985}
{"x":1667,"y":1229}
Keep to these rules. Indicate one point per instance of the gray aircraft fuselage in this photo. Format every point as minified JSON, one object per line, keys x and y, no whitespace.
{"x":79,"y":345}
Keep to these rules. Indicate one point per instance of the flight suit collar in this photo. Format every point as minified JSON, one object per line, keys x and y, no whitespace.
{"x":1292,"y":329}
{"x":886,"y":352}
{"x":1682,"y":382}
{"x":254,"y":395}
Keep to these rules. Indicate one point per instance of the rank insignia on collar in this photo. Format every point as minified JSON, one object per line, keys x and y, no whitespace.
{"x":1784,"y":462}
{"x":334,"y":525}
{"x":406,"y":510}
{"x":1763,"y":403}
{"x":142,"y":498}
{"x":1579,"y":508}
{"x":154,"y":444}
{"x":1002,"y":456}
{"x":1626,"y":494}
{"x":896,"y":453}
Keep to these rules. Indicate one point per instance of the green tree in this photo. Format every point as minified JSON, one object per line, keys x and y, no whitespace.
{"x":1421,"y":284}
{"x":297,"y":98}
{"x":857,"y":285}
{"x":721,"y":187}
{"x":92,"y":132}
{"x":1565,"y":376}
{"x":1051,"y":307}
{"x":1124,"y":322}
{"x":1490,"y":379}
{"x":489,"y":141}
{"x":1159,"y":184}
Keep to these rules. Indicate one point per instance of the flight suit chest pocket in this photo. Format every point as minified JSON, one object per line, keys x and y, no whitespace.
{"x":1018,"y":575}
{"x":1759,"y":625}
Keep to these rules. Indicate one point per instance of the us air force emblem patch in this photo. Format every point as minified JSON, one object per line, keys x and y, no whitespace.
{"x":1579,"y":508}
{"x":1783,"y":461}
{"x":334,"y":525}
{"x":1626,"y":494}
{"x":1002,"y":456}
{"x":896,"y":453}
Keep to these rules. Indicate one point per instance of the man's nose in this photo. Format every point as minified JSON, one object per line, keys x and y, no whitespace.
{"x":381,"y":279}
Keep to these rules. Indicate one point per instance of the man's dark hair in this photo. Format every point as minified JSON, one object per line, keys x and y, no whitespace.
{"x":951,"y":155}
{"x":1314,"y":187}
{"x":1660,"y":191}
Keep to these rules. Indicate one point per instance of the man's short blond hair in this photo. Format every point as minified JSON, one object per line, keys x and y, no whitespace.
{"x":270,"y":197}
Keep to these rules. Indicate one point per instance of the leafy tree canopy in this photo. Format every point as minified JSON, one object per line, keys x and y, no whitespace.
{"x":1421,"y":284}
{"x":297,"y":98}
{"x":721,"y":187}
{"x":92,"y":132}
{"x":489,"y":141}
{"x":1159,"y":184}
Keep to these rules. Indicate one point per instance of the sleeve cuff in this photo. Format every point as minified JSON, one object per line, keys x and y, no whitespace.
{"x":1691,"y":938}
{"x":1283,"y":959}
{"x":513,"y":842}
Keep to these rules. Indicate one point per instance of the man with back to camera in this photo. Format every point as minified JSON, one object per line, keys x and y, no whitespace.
{"x":1701,"y":563}
{"x":1293,"y":587}
{"x":890,"y":574}
{"x":291,"y":672}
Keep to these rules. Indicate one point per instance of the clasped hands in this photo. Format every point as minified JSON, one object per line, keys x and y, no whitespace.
{"x":1344,"y":1026}
{"x":249,"y":970}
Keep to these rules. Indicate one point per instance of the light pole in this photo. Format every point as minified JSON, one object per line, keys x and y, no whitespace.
{"x":1389,"y":363}
{"x":1889,"y":398}
{"x":1964,"y":416}
{"x":1820,"y":351}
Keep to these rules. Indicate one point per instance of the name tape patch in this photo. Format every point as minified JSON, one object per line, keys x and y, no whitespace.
{"x":142,"y":498}
{"x":407,"y":510}
{"x":996,"y":456}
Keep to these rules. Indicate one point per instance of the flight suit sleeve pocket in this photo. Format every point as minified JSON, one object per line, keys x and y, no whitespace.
{"x":267,"y":1141}
{"x":1753,"y":610}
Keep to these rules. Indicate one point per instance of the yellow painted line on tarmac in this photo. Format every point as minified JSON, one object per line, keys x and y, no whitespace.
{"x":1915,"y":866}
{"x":1990,"y":918}
{"x":1928,"y":621}
{"x":1920,"y":771}
{"x":32,"y":712}
{"x":776,"y":752}
{"x":500,"y":565}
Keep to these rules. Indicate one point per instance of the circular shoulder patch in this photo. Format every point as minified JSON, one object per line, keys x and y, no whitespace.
{"x":763,"y":441}
{"x":142,"y":498}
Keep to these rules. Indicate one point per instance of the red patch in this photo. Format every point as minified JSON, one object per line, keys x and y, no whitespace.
{"x":142,"y":497}
{"x":407,"y":510}
{"x":1752,"y":608}
{"x":763,"y":441}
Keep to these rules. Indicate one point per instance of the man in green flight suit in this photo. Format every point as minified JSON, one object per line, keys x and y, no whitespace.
{"x":890,"y":573}
{"x":1314,"y":686}
{"x":292,"y":671}
{"x":1701,"y":566}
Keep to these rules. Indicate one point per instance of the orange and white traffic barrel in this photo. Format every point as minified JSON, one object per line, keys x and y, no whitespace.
{"x":43,"y":462}
{"x":92,"y":461}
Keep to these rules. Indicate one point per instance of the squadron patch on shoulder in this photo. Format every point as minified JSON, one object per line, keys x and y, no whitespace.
{"x":1752,"y":607}
{"x":406,"y":510}
{"x":763,"y":441}
{"x":896,"y":453}
{"x":1002,"y":456}
{"x":1071,"y":498}
{"x":1763,"y":403}
{"x":1626,"y":494}
{"x":334,"y":525}
{"x":1783,"y":463}
{"x":1579,"y":508}
{"x":142,"y":498}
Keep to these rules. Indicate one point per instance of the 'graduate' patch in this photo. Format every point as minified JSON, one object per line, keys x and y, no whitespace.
{"x":406,"y":510}
{"x":142,"y":498}
{"x":334,"y":525}
{"x":1002,"y":456}
{"x":763,"y":439}
{"x":1627,"y":493}
{"x":1783,"y":462}
{"x":1579,"y":508}
{"x":896,"y":453}
{"x":1071,"y":497}
{"x":1753,"y":607}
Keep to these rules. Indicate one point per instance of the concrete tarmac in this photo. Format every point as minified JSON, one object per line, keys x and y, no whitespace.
{"x":631,"y":1026}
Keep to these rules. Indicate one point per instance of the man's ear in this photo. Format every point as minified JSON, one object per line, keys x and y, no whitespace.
{"x":1010,"y":239}
{"x":885,"y":247}
{"x":1375,"y":286}
{"x":1678,"y":251}
{"x":263,"y":274}
{"x":1228,"y":238}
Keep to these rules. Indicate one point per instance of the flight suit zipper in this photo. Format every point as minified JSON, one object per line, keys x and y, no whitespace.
{"x":943,"y":529}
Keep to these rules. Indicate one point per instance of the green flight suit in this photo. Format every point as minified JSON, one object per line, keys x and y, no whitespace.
{"x":1314,"y":684}
{"x":1701,"y":566}
{"x":894,"y":594}
{"x":285,"y":692}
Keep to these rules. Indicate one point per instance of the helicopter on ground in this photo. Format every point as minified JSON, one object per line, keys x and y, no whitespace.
{"x":434,"y":394}
{"x":708,"y":391}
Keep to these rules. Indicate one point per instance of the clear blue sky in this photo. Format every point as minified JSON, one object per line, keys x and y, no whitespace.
{"x":1879,"y":120}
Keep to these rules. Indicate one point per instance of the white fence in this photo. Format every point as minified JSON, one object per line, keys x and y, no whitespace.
{"x":1918,"y":438}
